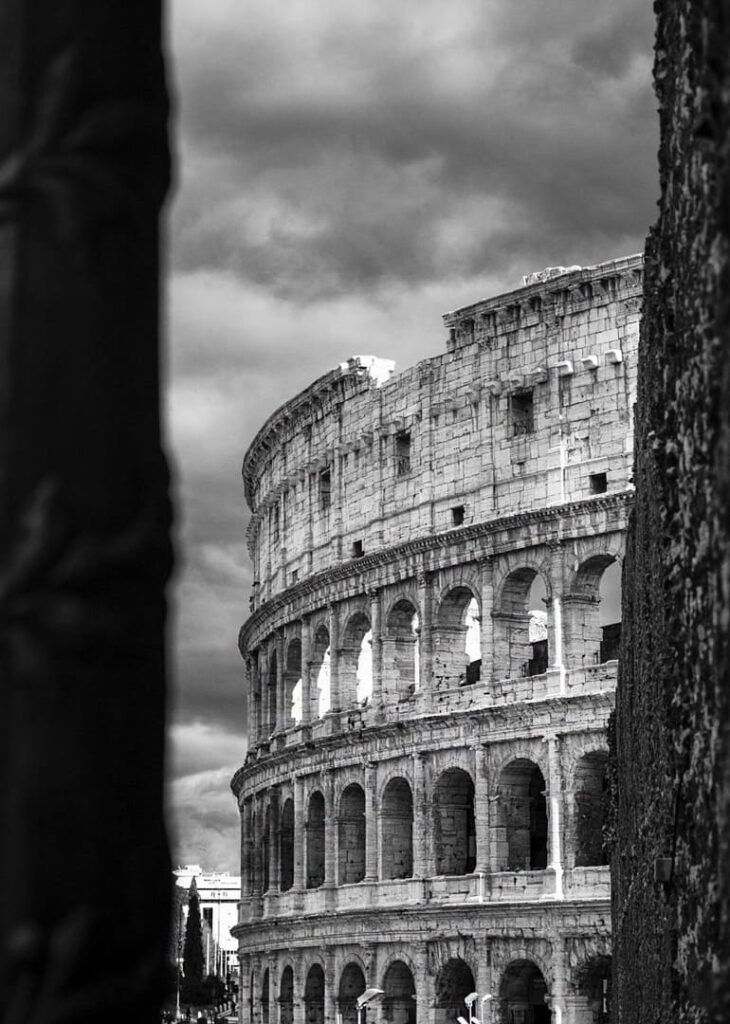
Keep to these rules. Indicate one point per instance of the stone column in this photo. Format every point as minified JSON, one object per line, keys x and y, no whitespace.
{"x":334,"y":631}
{"x":481,"y":811}
{"x":556,"y":997}
{"x":555,"y":818}
{"x":298,"y":1009}
{"x":330,"y":830}
{"x":420,"y":961}
{"x":330,"y":986}
{"x":425,"y":639}
{"x":274,"y":1007}
{"x":281,"y":708}
{"x":483,"y":979}
{"x":306,"y":634}
{"x":556,"y":674}
{"x":377,"y":632}
{"x":422,"y":858}
{"x":486,"y":626}
{"x":250,"y":701}
{"x":299,"y":834}
{"x":372,"y":823}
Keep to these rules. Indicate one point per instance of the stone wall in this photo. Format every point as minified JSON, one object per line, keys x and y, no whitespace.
{"x":529,"y":406}
{"x":671,"y":878}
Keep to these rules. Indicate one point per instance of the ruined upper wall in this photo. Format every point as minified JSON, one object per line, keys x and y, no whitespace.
{"x":530,"y":406}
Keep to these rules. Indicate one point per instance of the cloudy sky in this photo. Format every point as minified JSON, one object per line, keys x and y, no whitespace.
{"x":348,"y":171}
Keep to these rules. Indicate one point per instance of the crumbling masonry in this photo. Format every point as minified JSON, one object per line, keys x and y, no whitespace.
{"x":431,"y":663}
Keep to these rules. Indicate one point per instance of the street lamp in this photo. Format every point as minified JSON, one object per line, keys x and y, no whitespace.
{"x":363,"y":1000}
{"x":469,"y":1003}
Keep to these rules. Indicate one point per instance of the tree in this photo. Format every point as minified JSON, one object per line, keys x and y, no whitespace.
{"x":192,"y":989}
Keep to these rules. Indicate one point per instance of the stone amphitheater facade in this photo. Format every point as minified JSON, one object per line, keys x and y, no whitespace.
{"x":431,"y":667}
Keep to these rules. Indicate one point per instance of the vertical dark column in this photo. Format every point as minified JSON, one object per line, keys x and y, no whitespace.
{"x":671,"y":749}
{"x":84,"y":515}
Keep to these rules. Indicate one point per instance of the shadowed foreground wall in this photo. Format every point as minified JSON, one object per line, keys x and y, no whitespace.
{"x":84,"y":551}
{"x":671,"y":894}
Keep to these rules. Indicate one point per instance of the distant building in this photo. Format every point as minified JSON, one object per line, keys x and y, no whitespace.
{"x":432,"y":661}
{"x":219,"y":893}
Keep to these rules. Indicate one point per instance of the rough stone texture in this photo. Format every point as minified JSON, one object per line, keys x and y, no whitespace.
{"x":469,"y":479}
{"x":670,"y":868}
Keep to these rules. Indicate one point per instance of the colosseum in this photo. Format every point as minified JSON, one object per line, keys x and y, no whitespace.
{"x":431,"y":664}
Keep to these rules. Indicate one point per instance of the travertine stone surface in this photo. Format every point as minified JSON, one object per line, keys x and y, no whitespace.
{"x":455,"y":525}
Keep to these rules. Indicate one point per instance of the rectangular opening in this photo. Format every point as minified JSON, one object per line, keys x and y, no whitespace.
{"x":325,"y":488}
{"x":402,"y":453}
{"x":294,"y":576}
{"x":610,"y":642}
{"x":457,"y":515}
{"x":357,"y":551}
{"x":523,"y":421}
{"x":208,"y":916}
{"x":598,"y":483}
{"x":275,"y":529}
{"x":538,"y":663}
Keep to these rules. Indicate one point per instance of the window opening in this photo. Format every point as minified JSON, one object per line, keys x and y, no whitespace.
{"x":275,"y":528}
{"x":457,"y":515}
{"x":609,"y":612}
{"x":472,"y":646}
{"x":402,"y":453}
{"x":323,"y":684}
{"x":598,"y":483}
{"x":325,"y":488}
{"x":523,"y":421}
{"x":357,"y":551}
{"x":364,"y":674}
{"x":537,"y":634}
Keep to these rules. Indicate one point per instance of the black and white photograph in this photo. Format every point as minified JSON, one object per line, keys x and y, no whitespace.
{"x":365,"y":503}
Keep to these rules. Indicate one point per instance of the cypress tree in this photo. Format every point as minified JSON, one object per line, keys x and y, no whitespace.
{"x":193,"y":962}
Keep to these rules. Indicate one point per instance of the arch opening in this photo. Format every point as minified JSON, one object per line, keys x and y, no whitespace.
{"x":454,"y":827}
{"x":454,"y":982}
{"x":399,"y":1002}
{"x":401,"y":651}
{"x":457,"y":639}
{"x":355,"y":661}
{"x":352,"y":984}
{"x":522,"y":822}
{"x":593,"y":612}
{"x":351,"y":836}
{"x":591,"y":809}
{"x":593,"y":982}
{"x":286,"y":857}
{"x":314,"y":996}
{"x":286,"y":996}
{"x":271,"y":694}
{"x":321,"y":691}
{"x":293,"y":684}
{"x":522,"y":992}
{"x":315,"y":841}
{"x":266,"y":849}
{"x":521,"y":624}
{"x":396,"y":835}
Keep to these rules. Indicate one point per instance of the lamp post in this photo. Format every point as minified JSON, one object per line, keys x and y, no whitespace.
{"x":469,"y":1003}
{"x":363,"y":1000}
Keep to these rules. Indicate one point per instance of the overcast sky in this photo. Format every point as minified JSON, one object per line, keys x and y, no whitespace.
{"x":347,"y":173}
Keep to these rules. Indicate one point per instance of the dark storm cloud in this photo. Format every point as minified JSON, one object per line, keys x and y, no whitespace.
{"x":384,"y":153}
{"x":348,"y":172}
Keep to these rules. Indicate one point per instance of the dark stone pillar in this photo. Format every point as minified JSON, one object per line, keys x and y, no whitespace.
{"x":84,"y":515}
{"x":671,"y":751}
